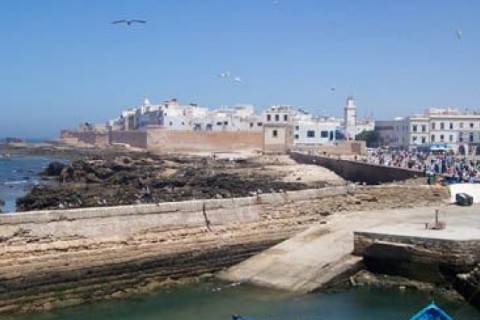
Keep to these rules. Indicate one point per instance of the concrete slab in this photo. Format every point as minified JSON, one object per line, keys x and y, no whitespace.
{"x":312,"y":258}
{"x":302,"y":264}
{"x":454,"y":233}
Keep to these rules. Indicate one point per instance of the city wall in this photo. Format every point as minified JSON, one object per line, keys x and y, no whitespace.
{"x":161,"y":140}
{"x":340,"y":148}
{"x":164,"y":140}
{"x":94,"y":138}
{"x":357,"y":171}
{"x":59,"y":258}
{"x":137,"y":139}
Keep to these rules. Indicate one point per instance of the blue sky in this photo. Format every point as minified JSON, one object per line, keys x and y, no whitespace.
{"x":63,"y":62}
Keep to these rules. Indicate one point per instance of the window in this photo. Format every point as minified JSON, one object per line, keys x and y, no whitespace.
{"x":424,"y":140}
{"x":324,"y":134}
{"x":170,"y":123}
{"x":460,"y":137}
{"x":285,"y":117}
{"x":183,"y":123}
{"x":433,"y":138}
{"x":451,"y":125}
{"x":414,"y":138}
{"x":274,"y":133}
{"x":310,"y":134}
{"x":269,"y":117}
{"x":433,"y":125}
{"x":470,"y":137}
{"x":259,"y":124}
{"x":450,"y":138}
{"x":461,"y":124}
{"x":424,"y":127}
{"x":297,"y":128}
{"x":414,"y":128}
{"x":296,"y":137}
{"x":251,"y":124}
{"x":471,"y":124}
{"x":219,"y":123}
{"x":277,"y":117}
{"x":442,"y":137}
{"x":225,"y":123}
{"x":442,"y":126}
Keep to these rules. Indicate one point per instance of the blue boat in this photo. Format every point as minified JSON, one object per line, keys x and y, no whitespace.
{"x":431,"y":312}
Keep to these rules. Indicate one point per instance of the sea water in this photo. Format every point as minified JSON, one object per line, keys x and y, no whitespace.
{"x":17,"y":175}
{"x":215,"y":301}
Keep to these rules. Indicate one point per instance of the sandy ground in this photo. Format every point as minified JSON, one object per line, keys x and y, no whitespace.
{"x":295,"y":172}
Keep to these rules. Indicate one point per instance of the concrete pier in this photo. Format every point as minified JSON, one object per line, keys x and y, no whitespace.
{"x":392,"y":241}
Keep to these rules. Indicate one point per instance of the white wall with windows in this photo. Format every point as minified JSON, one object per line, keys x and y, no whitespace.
{"x":314,"y":132}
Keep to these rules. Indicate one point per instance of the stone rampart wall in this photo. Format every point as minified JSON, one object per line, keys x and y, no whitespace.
{"x":136,"y":139}
{"x":161,"y":140}
{"x":340,"y":148}
{"x":94,"y":138}
{"x":358,"y":171}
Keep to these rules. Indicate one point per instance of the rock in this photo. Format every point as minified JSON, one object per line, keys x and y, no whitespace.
{"x":54,"y":169}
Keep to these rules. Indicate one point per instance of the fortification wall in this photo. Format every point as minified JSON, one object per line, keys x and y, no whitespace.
{"x":358,"y":171}
{"x":94,"y":138}
{"x":58,"y":258}
{"x":340,"y":148}
{"x":136,"y":139}
{"x":161,"y":140}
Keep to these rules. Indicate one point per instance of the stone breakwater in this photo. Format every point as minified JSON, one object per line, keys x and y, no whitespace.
{"x":52,"y":259}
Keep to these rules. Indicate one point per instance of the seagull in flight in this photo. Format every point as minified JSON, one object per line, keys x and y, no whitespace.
{"x":458,"y":32}
{"x":225,"y":74}
{"x":237,"y":79}
{"x":128,"y":22}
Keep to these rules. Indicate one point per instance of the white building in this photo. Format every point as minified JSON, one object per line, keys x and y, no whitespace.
{"x":174,"y":116}
{"x":307,"y":130}
{"x":460,"y":130}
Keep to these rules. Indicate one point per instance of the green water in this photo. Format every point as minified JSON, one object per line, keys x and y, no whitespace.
{"x":213,"y":301}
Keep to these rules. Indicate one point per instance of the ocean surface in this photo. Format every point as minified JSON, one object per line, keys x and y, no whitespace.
{"x":17,"y":174}
{"x":214,"y":301}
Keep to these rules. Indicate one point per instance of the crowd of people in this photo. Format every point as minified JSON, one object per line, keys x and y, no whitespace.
{"x":450,"y":167}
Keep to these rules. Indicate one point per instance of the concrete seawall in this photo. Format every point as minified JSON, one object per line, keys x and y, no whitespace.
{"x":356,"y":171}
{"x":59,"y":258}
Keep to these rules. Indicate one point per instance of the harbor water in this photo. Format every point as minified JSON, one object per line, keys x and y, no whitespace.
{"x":215,"y":301}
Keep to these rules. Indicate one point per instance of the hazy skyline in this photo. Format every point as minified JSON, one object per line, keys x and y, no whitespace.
{"x":64,"y":62}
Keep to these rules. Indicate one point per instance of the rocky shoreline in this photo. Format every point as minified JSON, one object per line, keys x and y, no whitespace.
{"x":145,"y":178}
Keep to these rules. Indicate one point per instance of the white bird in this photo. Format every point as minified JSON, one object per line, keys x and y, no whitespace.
{"x":237,"y":79}
{"x":128,"y":22}
{"x":225,"y":74}
{"x":458,"y":32}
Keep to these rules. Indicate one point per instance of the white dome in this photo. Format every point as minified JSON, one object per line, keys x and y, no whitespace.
{"x":146,"y":102}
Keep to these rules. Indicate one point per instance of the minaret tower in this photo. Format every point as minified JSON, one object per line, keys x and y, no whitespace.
{"x":350,"y":118}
